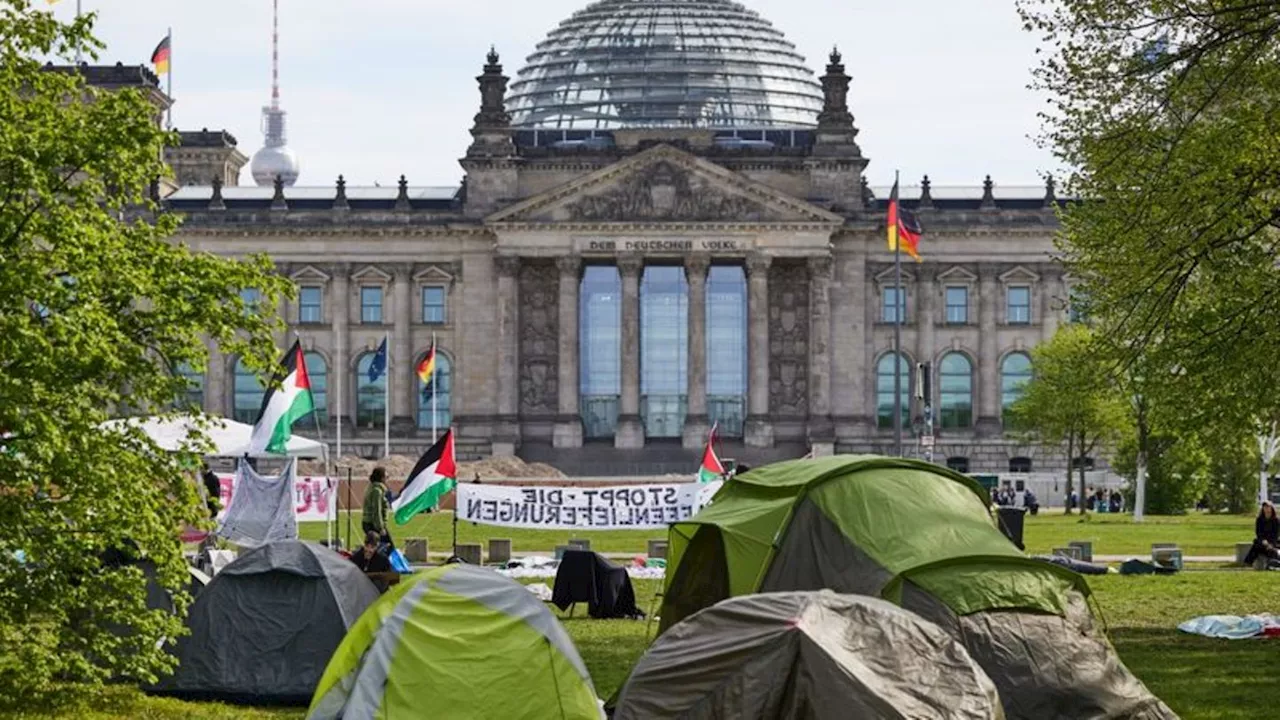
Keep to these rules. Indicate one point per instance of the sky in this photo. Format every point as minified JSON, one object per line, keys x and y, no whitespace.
{"x":379,"y":88}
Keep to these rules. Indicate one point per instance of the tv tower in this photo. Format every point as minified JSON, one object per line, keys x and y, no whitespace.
{"x":275,"y":158}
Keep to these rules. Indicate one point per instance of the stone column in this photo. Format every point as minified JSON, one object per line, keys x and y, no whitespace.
{"x":217,"y":396}
{"x":630,"y":432}
{"x":1053,"y":298}
{"x":507,"y":431}
{"x":339,"y":373}
{"x":988,"y":350}
{"x":696,"y":422}
{"x":822,"y":439}
{"x":759,"y":429}
{"x":400,"y":377}
{"x":567,"y":432}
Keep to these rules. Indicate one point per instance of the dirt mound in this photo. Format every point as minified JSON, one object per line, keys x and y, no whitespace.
{"x":398,"y":468}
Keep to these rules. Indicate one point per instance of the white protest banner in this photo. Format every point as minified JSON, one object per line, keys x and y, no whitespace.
{"x":312,"y":496}
{"x":617,"y":507}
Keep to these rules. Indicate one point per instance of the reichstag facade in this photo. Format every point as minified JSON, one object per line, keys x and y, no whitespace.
{"x":664,"y":225}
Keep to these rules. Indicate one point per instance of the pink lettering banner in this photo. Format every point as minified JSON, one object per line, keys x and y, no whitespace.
{"x":312,"y":497}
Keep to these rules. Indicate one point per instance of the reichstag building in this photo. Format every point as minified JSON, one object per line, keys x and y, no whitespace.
{"x":664,"y":225}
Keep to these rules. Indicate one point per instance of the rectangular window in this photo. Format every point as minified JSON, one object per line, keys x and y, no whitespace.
{"x":371,"y":305}
{"x":957,"y":305}
{"x":251,"y":296}
{"x":433,"y":308}
{"x":894,"y":304}
{"x":1018,"y":305}
{"x":310,"y":308}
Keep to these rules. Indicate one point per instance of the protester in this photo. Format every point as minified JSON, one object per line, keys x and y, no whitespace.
{"x":370,"y":558}
{"x":213,"y":492}
{"x":377,"y":505}
{"x":1266,"y":535}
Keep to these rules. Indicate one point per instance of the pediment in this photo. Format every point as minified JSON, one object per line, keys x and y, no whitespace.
{"x":371,"y":273}
{"x":957,"y":274}
{"x":434,"y":274}
{"x":664,"y":185}
{"x":309,"y":273}
{"x":889,"y":277}
{"x":1018,"y":275}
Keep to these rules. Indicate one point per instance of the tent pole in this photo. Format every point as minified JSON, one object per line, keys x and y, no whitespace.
{"x":455,"y":531}
{"x":348,"y":509}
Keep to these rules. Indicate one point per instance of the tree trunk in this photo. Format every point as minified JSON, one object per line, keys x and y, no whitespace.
{"x":1071,"y":439}
{"x":1081,"y":445}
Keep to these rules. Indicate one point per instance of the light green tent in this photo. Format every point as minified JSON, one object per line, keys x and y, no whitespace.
{"x":922,"y":537}
{"x":457,"y":641}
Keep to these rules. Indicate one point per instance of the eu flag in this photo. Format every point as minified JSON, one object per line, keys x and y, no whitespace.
{"x":378,"y":366}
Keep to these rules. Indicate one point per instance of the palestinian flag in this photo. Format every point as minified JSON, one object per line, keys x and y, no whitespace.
{"x":435,"y":474}
{"x":711,"y":469}
{"x":904,"y":228}
{"x":287,"y":400}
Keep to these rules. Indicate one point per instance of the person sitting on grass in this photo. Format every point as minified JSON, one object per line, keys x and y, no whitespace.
{"x":371,"y":558}
{"x":1266,"y":535}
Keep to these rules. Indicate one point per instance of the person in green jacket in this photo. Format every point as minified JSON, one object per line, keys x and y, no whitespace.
{"x":377,"y":505}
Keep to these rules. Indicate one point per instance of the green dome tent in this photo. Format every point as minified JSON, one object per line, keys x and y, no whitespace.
{"x":456,"y":641}
{"x":922,"y":537}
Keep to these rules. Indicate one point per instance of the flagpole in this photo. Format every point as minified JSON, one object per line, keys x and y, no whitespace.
{"x":79,"y":51}
{"x":386,"y":399}
{"x":899,"y":309}
{"x":324,"y":446}
{"x":434,"y":362}
{"x":169,"y":74}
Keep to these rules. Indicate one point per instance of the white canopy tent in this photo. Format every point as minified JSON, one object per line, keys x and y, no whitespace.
{"x":230,"y":439}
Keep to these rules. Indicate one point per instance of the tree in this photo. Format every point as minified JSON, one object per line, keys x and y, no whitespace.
{"x":1166,"y":115}
{"x":98,"y":309}
{"x":1071,"y":399}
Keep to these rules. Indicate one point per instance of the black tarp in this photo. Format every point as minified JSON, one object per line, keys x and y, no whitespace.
{"x":264,"y":629}
{"x":585,"y":576}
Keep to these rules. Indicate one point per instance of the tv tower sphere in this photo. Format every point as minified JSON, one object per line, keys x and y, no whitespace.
{"x":275,"y":159}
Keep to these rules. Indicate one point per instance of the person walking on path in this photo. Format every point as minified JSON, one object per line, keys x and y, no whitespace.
{"x":377,"y":506}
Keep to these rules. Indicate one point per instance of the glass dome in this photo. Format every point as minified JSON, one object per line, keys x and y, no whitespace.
{"x":665,"y":63}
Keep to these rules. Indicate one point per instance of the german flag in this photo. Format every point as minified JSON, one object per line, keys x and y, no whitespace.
{"x":427,"y":372}
{"x":903,"y":226}
{"x":160,"y":57}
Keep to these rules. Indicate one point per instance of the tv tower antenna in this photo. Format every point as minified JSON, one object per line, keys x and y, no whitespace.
{"x":275,"y":159}
{"x":275,"y":54}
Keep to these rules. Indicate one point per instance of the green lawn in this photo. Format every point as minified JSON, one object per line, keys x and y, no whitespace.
{"x":1197,"y":677}
{"x":1196,"y":534}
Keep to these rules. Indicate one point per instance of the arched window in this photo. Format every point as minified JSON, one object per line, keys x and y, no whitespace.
{"x":1020,"y":465}
{"x":371,"y":397}
{"x":193,"y":397}
{"x":442,"y":397}
{"x":248,"y":392}
{"x":1015,"y":372}
{"x":884,"y":392}
{"x":955,"y":391}
{"x":318,"y":373}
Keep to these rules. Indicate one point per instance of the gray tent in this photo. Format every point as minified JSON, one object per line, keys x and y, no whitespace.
{"x":813,"y":655}
{"x":263,"y":630}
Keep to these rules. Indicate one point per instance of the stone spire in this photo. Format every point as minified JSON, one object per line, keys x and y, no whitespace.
{"x":926,"y":193}
{"x":836,"y":163}
{"x":836,"y":132}
{"x":492,"y":129}
{"x":988,"y":195}
{"x":490,"y":163}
